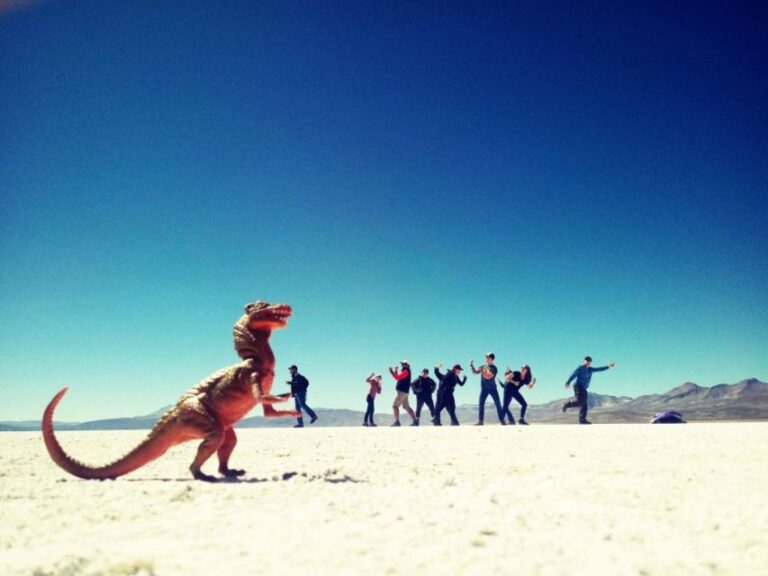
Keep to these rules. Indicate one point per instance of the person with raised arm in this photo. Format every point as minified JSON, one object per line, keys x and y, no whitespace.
{"x":583,"y":376}
{"x":445,"y":399}
{"x":403,"y":388}
{"x":513,"y":382}
{"x":375,"y":383}
{"x":487,"y":373}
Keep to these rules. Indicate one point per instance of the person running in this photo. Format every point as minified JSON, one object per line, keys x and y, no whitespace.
{"x":582,"y":375}
{"x":403,"y":387}
{"x":299,"y":386}
{"x":513,"y":382}
{"x":445,"y":397}
{"x":375,"y":383}
{"x":423,"y":387}
{"x":487,"y":373}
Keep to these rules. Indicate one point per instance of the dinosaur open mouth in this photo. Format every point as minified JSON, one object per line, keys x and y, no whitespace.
{"x":281,"y":312}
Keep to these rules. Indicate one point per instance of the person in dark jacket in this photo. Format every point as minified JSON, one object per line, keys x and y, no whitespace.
{"x":445,"y":397}
{"x":299,"y":386}
{"x":423,"y":387}
{"x":513,"y":382}
{"x":583,"y":376}
{"x":403,"y":388}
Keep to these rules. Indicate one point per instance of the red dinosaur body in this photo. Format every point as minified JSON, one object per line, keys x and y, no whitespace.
{"x":208,"y":411}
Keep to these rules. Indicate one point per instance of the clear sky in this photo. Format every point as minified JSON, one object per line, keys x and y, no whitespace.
{"x":418,"y":180}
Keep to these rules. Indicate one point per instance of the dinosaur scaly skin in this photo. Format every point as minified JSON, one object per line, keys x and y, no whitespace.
{"x":208,"y":411}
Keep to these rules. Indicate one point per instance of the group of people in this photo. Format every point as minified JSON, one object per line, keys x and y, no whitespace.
{"x":423,"y":386}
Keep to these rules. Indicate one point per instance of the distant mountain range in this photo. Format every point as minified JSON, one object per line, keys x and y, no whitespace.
{"x":746,"y":400}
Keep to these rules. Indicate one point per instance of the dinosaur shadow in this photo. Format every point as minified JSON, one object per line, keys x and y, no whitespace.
{"x":330,"y":477}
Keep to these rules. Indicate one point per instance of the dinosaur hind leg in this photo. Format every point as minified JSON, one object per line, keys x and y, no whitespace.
{"x":225,"y":451}
{"x":210,"y":444}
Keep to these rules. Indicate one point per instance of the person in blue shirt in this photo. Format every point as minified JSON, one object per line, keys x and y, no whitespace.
{"x":582,"y":375}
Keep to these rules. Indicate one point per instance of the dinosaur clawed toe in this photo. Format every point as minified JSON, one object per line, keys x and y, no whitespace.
{"x":231,"y":472}
{"x":199,"y":475}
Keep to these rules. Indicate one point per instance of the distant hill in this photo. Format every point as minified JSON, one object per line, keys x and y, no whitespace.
{"x":745,"y":400}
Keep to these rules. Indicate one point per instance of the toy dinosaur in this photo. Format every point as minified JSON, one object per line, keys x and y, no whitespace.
{"x":208,"y":411}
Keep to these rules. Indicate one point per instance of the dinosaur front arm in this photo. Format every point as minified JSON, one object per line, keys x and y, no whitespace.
{"x":260,"y":388}
{"x":272,"y":399}
{"x":270,"y":412}
{"x":261,"y":385}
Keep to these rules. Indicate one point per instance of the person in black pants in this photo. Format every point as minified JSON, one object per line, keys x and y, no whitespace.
{"x":583,"y":376}
{"x":299,"y":386}
{"x":375,"y":384}
{"x":445,"y":397}
{"x":423,"y":387}
{"x":513,"y":382}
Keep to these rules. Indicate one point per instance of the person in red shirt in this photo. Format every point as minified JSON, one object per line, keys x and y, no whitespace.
{"x":403,"y":387}
{"x":375,"y":383}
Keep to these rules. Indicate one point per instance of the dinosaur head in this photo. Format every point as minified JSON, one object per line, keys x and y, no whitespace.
{"x":266,"y":316}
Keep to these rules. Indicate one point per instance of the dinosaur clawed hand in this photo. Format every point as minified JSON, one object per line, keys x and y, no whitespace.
{"x":275,"y":399}
{"x":270,"y":412}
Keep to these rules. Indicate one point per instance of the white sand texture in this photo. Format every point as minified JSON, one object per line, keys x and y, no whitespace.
{"x":603,"y":500}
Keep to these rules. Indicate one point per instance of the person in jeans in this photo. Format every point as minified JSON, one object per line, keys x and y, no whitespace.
{"x":582,"y":375}
{"x":487,"y":373}
{"x":403,"y":388}
{"x":423,"y":387}
{"x":445,"y":397}
{"x":513,"y":382}
{"x":375,"y":384}
{"x":299,"y":386}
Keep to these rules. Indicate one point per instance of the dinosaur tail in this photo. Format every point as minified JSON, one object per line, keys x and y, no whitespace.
{"x":150,"y":449}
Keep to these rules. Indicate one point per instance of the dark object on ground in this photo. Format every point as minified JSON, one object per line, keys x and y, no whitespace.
{"x":668,"y":417}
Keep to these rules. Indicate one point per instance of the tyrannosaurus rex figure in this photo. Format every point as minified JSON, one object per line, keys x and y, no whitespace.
{"x":208,"y":411}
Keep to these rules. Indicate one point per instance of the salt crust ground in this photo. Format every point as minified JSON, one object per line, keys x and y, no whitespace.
{"x":611,"y":499}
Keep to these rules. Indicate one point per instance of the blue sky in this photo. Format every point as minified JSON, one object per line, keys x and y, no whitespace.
{"x":430,"y":182}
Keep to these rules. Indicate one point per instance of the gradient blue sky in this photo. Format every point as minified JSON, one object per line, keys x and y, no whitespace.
{"x":421,"y":180}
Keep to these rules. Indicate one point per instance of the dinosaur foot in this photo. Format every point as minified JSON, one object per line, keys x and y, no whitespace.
{"x":231,"y":472}
{"x":204,"y":477}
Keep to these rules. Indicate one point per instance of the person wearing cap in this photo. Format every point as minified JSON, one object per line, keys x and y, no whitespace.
{"x":375,"y":384}
{"x":403,"y":388}
{"x":487,"y":373}
{"x":583,"y":376}
{"x":423,"y":387}
{"x":299,"y":385}
{"x":445,"y":397}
